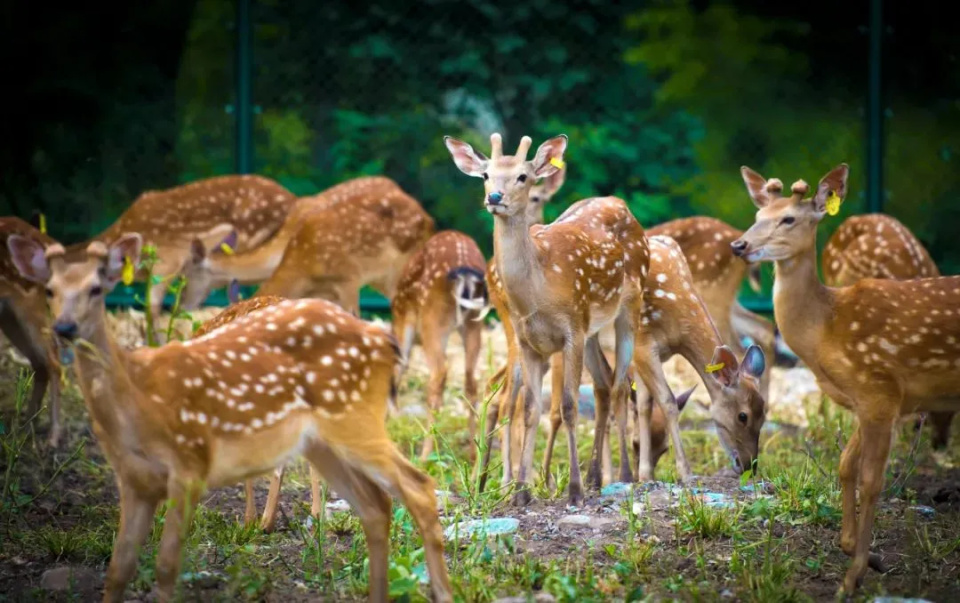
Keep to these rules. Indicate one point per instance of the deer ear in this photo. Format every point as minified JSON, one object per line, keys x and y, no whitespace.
{"x":834,"y":182}
{"x":549,"y":158}
{"x":126,"y":248}
{"x":724,"y":366}
{"x":28,"y":257}
{"x":756,"y":186}
{"x":469,"y":161}
{"x":682,"y":398}
{"x":753,"y":362}
{"x":552,"y":183}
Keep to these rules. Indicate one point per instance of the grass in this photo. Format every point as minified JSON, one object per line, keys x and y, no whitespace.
{"x":60,"y":507}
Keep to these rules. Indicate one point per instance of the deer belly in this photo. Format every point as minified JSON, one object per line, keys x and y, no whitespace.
{"x":541,"y":334}
{"x":248,"y":455}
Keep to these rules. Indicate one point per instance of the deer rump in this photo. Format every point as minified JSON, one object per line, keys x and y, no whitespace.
{"x":469,"y":292}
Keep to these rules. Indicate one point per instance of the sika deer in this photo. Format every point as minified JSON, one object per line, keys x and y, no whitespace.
{"x":880,"y":348}
{"x":675,"y":321}
{"x":299,"y":377}
{"x":717,"y":275}
{"x":442,"y":289}
{"x":564,"y":282}
{"x":880,"y":246}
{"x":24,"y":320}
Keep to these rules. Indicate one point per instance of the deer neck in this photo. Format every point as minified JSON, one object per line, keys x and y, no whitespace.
{"x":252,"y":266}
{"x":698,"y":350}
{"x":518,"y":262}
{"x":801,"y":303}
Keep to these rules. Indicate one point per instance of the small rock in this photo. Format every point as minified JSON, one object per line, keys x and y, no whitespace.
{"x":898,"y":600}
{"x":617,"y":490}
{"x":540,"y":597}
{"x":584,"y":521}
{"x":488,"y":527}
{"x":201,"y":579}
{"x":923,"y":510}
{"x":414,"y":410}
{"x":68,"y":578}
{"x":726,"y":594}
{"x":338,"y":506}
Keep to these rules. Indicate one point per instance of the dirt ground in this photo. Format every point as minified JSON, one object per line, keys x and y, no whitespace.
{"x":770,"y":539}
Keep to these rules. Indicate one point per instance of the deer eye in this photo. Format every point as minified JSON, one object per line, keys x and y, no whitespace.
{"x":522,"y":178}
{"x":96,"y":290}
{"x":486,"y":176}
{"x":743,"y":417}
{"x":535,"y":199}
{"x":49,"y":292}
{"x":788,"y":220}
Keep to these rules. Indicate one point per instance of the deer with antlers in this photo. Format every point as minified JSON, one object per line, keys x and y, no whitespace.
{"x":24,"y":320}
{"x":442,"y":289}
{"x":257,"y":263}
{"x":717,"y":275}
{"x":295,"y":378}
{"x":564,"y":282}
{"x":880,"y":246}
{"x":881,"y":348}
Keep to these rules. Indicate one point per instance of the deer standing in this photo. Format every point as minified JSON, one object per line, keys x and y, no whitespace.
{"x":257,"y":264}
{"x":442,"y":289}
{"x":24,"y":320}
{"x":295,"y":378}
{"x":717,"y":275}
{"x":676,"y":321}
{"x":880,"y":348}
{"x":880,"y":246}
{"x":564,"y":282}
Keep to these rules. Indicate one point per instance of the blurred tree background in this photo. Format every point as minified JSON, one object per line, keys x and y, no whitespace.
{"x":663,"y":101}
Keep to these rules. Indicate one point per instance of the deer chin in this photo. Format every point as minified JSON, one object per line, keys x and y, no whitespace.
{"x":498,"y":210}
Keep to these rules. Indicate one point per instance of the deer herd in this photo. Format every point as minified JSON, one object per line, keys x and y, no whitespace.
{"x":294,"y":372}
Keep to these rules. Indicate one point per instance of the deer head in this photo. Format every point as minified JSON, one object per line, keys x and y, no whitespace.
{"x":786,"y":226}
{"x":75,"y":289}
{"x":542,"y":192}
{"x":739,"y":410}
{"x":196,"y":269}
{"x":509,"y":179}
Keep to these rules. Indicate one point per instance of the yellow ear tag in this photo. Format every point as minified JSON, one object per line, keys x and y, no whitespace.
{"x":43,"y":224}
{"x":557,"y":163}
{"x":633,"y":385}
{"x":128,"y":271}
{"x":713,"y":368}
{"x":226,"y":248}
{"x":833,"y":203}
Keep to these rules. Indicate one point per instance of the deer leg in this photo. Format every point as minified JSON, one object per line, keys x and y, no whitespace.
{"x":940,"y":421}
{"x":269,"y":519}
{"x":490,"y":426}
{"x":648,"y":364}
{"x":315,"y":509}
{"x":849,"y":472}
{"x":250,"y":506}
{"x":625,"y":331}
{"x":136,"y":519}
{"x":572,"y":375}
{"x":873,"y":461}
{"x":471,"y":332}
{"x":435,"y":350}
{"x":176,"y":526}
{"x":510,"y":448}
{"x":556,"y":416}
{"x":533,"y":368}
{"x":53,"y":386}
{"x":602,"y":376}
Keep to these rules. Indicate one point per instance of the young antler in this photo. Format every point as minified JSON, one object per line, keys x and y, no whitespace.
{"x":442,"y":289}
{"x":717,"y":275}
{"x":880,"y":348}
{"x":24,"y":320}
{"x":880,"y":246}
{"x":298,"y":377}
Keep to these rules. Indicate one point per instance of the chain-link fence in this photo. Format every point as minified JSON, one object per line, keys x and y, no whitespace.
{"x":662,"y":103}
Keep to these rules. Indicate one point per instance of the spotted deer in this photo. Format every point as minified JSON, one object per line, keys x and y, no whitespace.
{"x":676,"y":321}
{"x":441,"y":290}
{"x":340,"y":249}
{"x":880,"y":348}
{"x":880,"y":246}
{"x":717,"y":275}
{"x":295,"y":378}
{"x":564,"y":282}
{"x":24,"y":320}
{"x":208,"y":210}
{"x":256,"y":264}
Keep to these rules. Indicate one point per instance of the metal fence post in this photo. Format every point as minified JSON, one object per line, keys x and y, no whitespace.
{"x":875,"y":110}
{"x":244,"y":76}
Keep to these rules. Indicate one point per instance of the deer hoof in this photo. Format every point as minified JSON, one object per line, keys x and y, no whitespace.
{"x":522,"y":498}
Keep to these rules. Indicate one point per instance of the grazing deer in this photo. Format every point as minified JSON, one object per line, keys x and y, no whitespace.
{"x":295,"y":378}
{"x":251,"y":267}
{"x":442,"y":289}
{"x":564,"y":282}
{"x":880,"y":246}
{"x":268,"y":522}
{"x":880,"y":348}
{"x":24,"y":320}
{"x":717,"y":275}
{"x":676,"y":321}
{"x":253,"y":207}
{"x":340,"y":249}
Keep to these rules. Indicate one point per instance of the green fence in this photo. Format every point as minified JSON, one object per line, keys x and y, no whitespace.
{"x":662,"y":103}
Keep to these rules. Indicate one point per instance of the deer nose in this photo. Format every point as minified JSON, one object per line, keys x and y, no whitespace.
{"x":738,"y":247}
{"x":65,"y":329}
{"x":495,"y":198}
